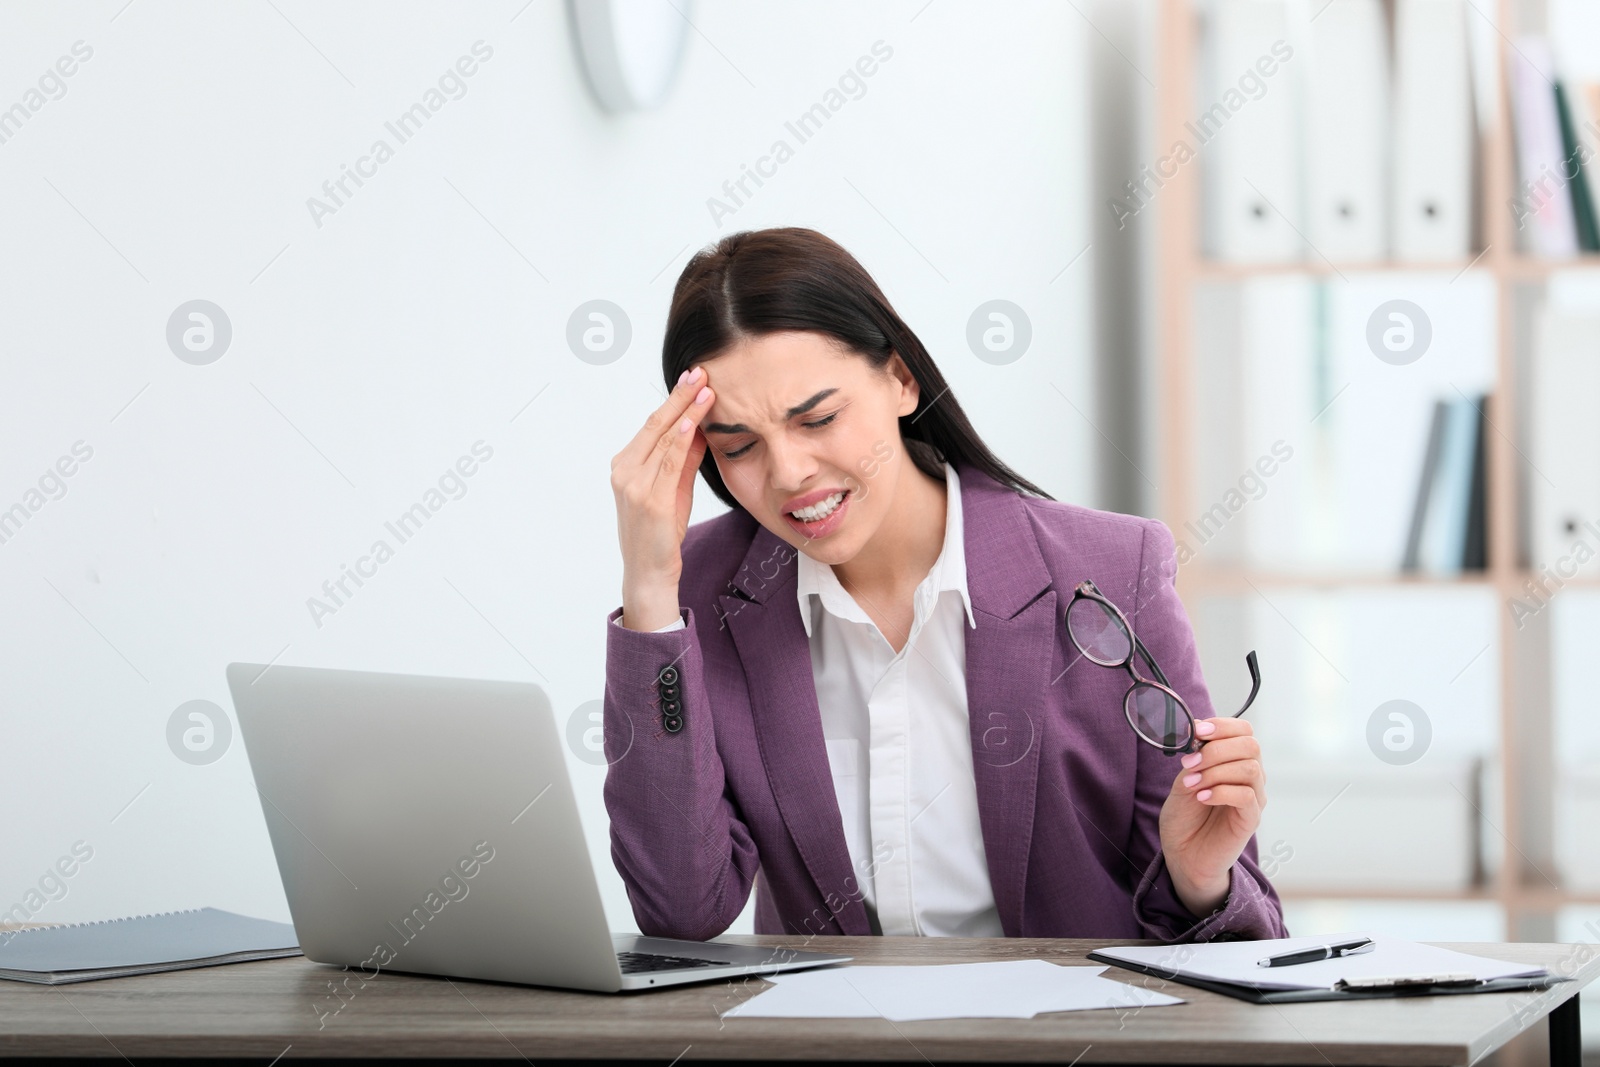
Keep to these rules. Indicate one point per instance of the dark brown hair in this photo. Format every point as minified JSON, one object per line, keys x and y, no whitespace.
{"x":757,"y":282}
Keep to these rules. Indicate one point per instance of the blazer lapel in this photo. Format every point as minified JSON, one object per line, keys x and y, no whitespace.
{"x":772,"y":644}
{"x":1010,"y":654}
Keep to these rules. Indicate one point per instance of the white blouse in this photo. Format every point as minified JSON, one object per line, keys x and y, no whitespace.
{"x":906,"y":793}
{"x":900,"y":746}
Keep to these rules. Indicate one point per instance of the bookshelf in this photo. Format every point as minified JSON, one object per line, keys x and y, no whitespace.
{"x":1525,"y":768}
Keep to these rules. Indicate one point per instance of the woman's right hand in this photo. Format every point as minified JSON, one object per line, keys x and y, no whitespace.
{"x":653,"y":480}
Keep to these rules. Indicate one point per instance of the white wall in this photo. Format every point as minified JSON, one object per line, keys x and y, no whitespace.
{"x":372,"y":351}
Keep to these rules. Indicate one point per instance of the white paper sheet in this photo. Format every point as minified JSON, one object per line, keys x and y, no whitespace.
{"x":1235,"y":961}
{"x":1010,"y":989}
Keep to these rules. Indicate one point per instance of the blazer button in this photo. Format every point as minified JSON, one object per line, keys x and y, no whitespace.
{"x":671,"y":708}
{"x":669,"y":692}
{"x":673,"y":723}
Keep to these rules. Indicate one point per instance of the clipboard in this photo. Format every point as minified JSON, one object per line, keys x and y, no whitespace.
{"x":1295,"y":996}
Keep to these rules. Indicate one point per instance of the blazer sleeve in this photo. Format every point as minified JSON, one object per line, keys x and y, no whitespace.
{"x":1252,"y":909}
{"x":685,"y":856}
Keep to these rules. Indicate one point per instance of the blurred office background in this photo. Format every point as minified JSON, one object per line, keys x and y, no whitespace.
{"x":1373,"y":327}
{"x":1313,"y":281}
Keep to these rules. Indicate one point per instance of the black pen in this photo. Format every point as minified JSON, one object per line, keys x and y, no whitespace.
{"x":1320,"y":952}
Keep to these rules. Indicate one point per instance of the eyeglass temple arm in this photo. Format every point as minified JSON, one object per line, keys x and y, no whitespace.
{"x":1249,"y":661}
{"x":1255,"y":682}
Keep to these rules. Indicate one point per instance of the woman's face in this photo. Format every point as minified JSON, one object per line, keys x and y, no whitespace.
{"x":796,"y":420}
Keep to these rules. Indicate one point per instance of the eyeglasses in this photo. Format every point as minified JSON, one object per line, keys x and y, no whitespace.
{"x":1154,"y":709}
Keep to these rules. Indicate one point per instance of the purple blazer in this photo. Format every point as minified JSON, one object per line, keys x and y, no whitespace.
{"x":740,"y":792}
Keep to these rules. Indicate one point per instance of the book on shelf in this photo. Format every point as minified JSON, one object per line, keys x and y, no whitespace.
{"x":1583,"y":97}
{"x":1554,"y":206}
{"x":1412,"y":558}
{"x":1448,"y":533}
{"x":1573,"y":170}
{"x":1320,"y":469}
{"x":1475,"y":552}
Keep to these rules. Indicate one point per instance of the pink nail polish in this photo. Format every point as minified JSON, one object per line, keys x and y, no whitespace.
{"x":1205,"y":728}
{"x":1191,"y":759}
{"x":682,"y":376}
{"x":703,"y":394}
{"x":1192,"y":780}
{"x":1204,"y":794}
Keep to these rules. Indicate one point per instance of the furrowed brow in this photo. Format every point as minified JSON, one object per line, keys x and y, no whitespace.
{"x":799,"y":409}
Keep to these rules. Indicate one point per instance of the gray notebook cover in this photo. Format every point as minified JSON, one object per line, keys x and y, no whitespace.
{"x":113,"y":947}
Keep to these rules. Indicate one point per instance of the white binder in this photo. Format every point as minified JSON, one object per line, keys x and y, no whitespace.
{"x":1347,"y":133}
{"x":1246,"y":139}
{"x":1435,"y":133}
{"x":1565,"y":481}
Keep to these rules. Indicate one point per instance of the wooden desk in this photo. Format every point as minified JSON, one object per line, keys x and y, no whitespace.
{"x":262,"y":1011}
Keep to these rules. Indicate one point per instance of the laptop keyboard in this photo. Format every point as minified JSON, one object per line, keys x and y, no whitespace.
{"x":641,"y":962}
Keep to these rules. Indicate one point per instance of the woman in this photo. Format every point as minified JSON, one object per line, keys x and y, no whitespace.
{"x":872,"y":709}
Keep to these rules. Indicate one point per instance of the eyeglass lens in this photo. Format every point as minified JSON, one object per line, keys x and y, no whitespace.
{"x":1098,"y":632}
{"x":1158,"y":717}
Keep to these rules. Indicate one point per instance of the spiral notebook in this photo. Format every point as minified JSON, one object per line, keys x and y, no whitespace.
{"x":144,"y":944}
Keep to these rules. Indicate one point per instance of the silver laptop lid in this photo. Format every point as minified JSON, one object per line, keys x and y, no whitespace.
{"x":424,"y":824}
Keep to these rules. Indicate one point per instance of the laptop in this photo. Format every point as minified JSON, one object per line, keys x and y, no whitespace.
{"x":428,"y":825}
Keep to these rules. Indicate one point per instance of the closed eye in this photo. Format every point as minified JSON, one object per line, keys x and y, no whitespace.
{"x":808,"y":425}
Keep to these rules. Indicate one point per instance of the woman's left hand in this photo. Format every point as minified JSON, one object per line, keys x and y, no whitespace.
{"x":1213,"y":808}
